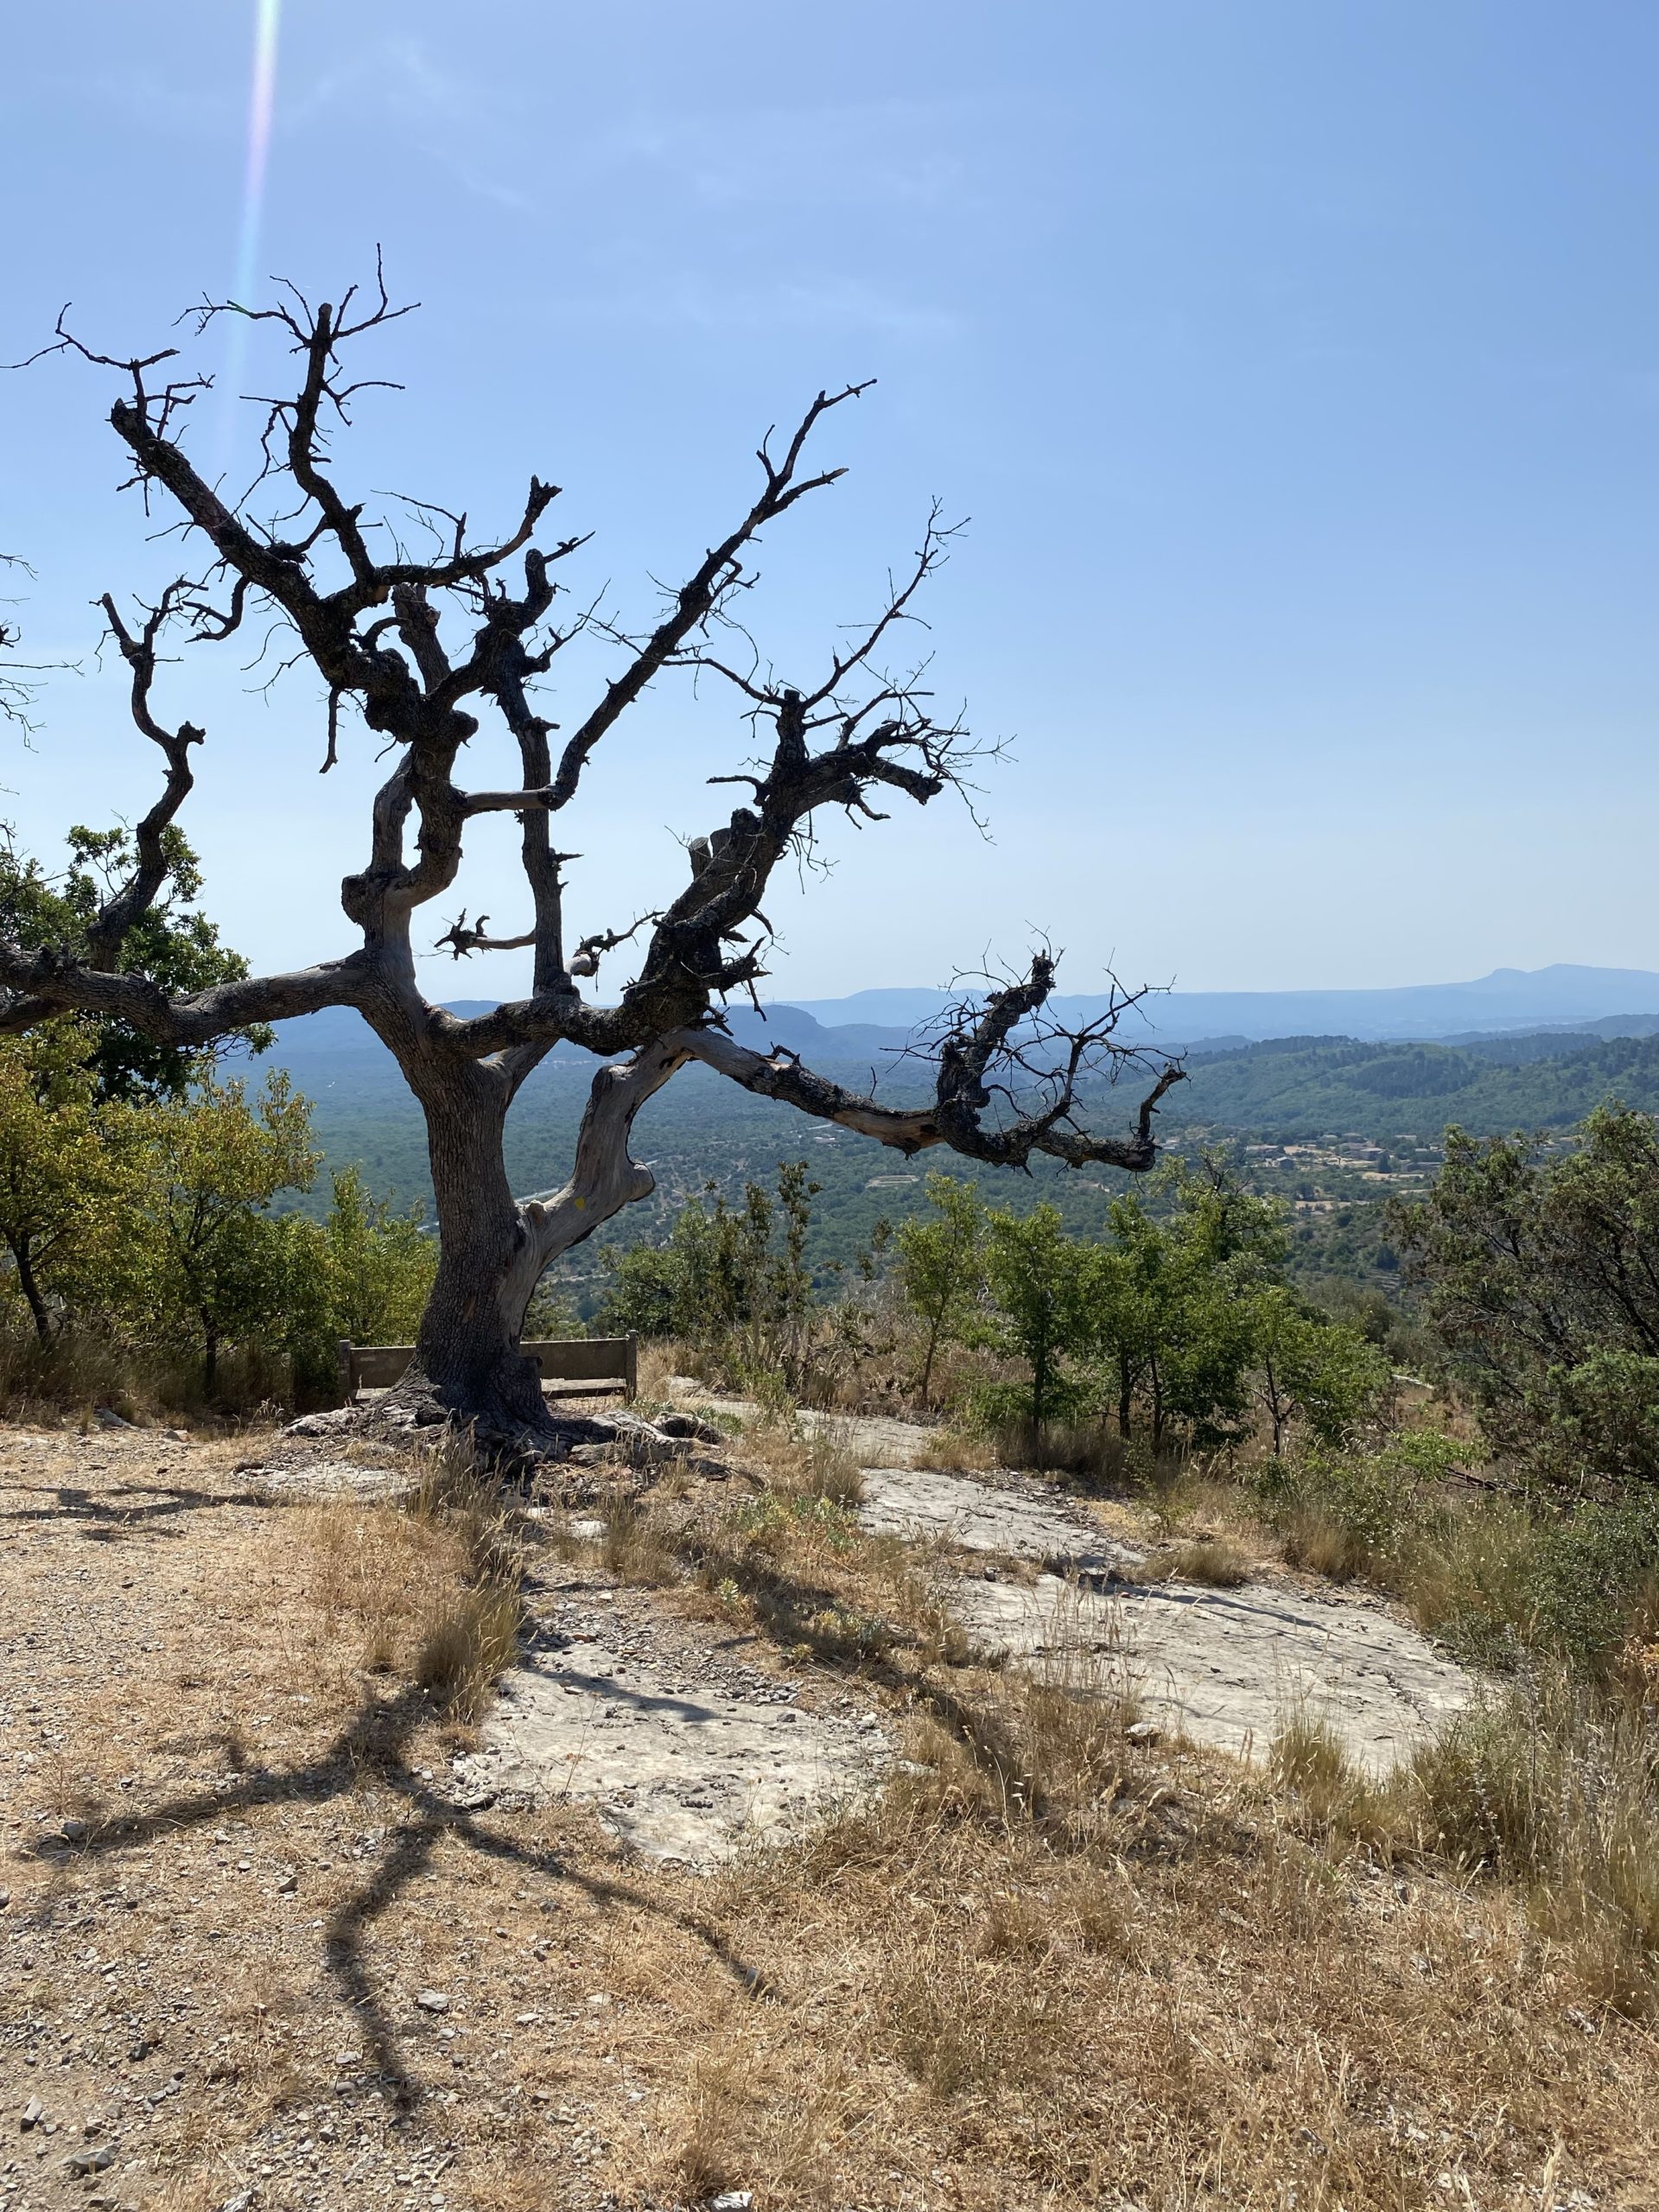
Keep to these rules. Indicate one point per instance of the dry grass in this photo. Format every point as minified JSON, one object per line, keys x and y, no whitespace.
{"x":635,"y":1546}
{"x":1122,"y":1981}
{"x":465,"y":1653}
{"x":429,"y":1592}
{"x":955,"y":1451}
{"x":1547,"y":1789}
{"x":802,"y":1462}
{"x":1321,"y":1544}
{"x":1042,"y":1967}
{"x":1212,"y":1560}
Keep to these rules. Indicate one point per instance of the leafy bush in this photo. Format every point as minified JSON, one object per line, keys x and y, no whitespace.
{"x":1540,"y":1275}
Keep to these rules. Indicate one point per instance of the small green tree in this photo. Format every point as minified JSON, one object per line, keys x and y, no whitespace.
{"x":1169,"y":1331}
{"x":380,"y":1265}
{"x":730,"y":1279}
{"x":1041,"y":1282}
{"x":1540,"y":1276}
{"x":1310,"y":1370}
{"x":941,"y":1267}
{"x":65,"y":1158}
{"x":207,"y":1254}
{"x":363,"y":1273}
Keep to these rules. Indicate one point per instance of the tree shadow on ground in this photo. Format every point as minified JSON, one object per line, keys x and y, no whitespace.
{"x":374,"y":1744}
{"x":102,"y":1516}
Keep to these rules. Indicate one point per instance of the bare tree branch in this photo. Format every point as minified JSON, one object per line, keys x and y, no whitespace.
{"x":979,"y":1044}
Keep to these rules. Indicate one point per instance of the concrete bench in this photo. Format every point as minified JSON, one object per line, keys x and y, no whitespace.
{"x":572,"y":1367}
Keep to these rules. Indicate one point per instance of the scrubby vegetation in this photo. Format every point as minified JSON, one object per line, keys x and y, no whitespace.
{"x":155,"y":1260}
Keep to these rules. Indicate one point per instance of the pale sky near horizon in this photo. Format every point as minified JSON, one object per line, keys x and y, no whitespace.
{"x":1298,"y":364}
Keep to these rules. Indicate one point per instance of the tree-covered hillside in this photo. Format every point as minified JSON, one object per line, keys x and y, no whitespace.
{"x":1295,"y":1089}
{"x":1308,"y":1086}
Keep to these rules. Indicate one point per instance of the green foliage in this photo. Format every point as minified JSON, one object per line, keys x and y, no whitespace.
{"x":1299,"y":1087}
{"x":65,"y":1157}
{"x":1178,"y":1319}
{"x":1170,"y":1326}
{"x":1540,"y":1276}
{"x":157,"y":1226}
{"x":1501,"y":1580}
{"x":363,"y":1273}
{"x":173,"y":943}
{"x":1041,"y":1285}
{"x":941,"y":1267}
{"x":730,"y":1279}
{"x":1306,"y":1369}
{"x":1345,"y":1513}
{"x":205,"y":1255}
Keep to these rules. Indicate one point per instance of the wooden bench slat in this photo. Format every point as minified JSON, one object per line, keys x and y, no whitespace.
{"x":572,"y":1367}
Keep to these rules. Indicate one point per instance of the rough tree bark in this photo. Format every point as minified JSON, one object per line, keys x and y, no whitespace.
{"x":423,"y":650}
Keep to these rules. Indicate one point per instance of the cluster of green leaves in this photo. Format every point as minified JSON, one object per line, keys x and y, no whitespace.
{"x":172,"y":942}
{"x":157,"y":1222}
{"x":1540,"y":1277}
{"x":1178,"y":1321}
{"x":734,"y":1281}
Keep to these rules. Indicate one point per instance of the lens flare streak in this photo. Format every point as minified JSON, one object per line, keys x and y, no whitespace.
{"x":261,"y":102}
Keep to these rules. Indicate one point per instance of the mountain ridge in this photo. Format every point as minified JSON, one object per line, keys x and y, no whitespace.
{"x":1565,"y":993}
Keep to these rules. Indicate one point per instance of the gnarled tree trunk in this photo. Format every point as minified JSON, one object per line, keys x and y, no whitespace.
{"x":492,"y":1251}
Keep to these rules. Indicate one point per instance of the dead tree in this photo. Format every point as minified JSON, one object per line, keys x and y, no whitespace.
{"x":424,"y":650}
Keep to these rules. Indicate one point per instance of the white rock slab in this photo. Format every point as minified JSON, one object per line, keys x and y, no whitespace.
{"x":1229,"y":1667}
{"x":986,"y":1516}
{"x":677,"y":1772}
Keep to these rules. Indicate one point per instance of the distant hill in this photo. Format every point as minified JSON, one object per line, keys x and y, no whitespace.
{"x":701,"y":1126}
{"x":1510,"y":998}
{"x":1307,"y":1086}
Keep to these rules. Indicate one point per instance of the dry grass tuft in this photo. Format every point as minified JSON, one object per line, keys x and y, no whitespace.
{"x":1557,"y":1791}
{"x":431,"y":1586}
{"x":634,"y":1546}
{"x":383,"y":1580}
{"x":960,"y":2017}
{"x":1547,"y":1789}
{"x":1211,"y":1560}
{"x":954,"y":1450}
{"x":465,"y":1651}
{"x":710,"y":2157}
{"x":803,"y":1462}
{"x":1319,"y":1542}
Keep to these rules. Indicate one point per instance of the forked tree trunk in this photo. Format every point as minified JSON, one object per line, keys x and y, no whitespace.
{"x":466,"y":1354}
{"x":492,"y":1252}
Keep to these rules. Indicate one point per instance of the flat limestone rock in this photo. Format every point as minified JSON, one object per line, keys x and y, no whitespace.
{"x":330,"y":1479}
{"x":871,"y":1438}
{"x":677,"y":1768}
{"x":986,"y":1516}
{"x":1229,"y":1667}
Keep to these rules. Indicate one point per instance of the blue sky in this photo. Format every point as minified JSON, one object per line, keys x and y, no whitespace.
{"x":1295,"y":363}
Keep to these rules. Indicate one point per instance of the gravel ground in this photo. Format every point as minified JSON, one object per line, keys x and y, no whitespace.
{"x":222,"y":1842}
